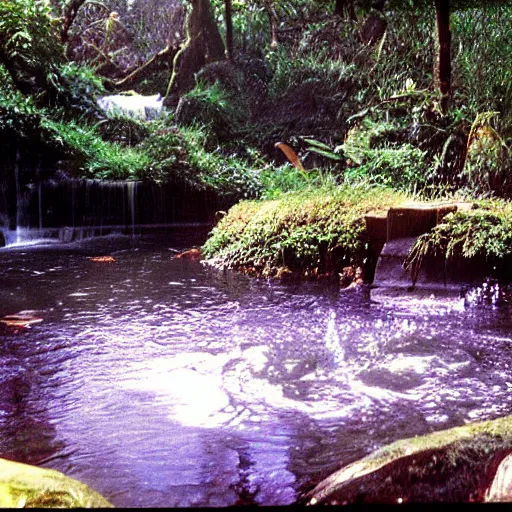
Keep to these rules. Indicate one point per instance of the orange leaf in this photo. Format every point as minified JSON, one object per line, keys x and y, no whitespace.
{"x":102,"y":259}
{"x":290,"y":154}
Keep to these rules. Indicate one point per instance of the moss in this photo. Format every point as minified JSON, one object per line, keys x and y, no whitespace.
{"x":455,"y":464}
{"x":483,"y":232}
{"x":313,"y":232}
{"x":22,"y":485}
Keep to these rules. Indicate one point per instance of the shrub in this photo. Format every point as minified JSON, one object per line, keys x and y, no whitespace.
{"x":94,"y":157}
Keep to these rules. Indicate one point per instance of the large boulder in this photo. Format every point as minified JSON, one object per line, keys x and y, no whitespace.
{"x":22,"y":485}
{"x":462,"y":464}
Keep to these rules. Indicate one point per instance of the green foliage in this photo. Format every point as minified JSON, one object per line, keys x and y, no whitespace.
{"x":483,"y":62}
{"x":485,"y":231}
{"x":27,"y":31}
{"x":408,"y":52}
{"x":19,"y":116}
{"x":216,"y":107}
{"x":315,"y":230}
{"x":78,"y":89}
{"x":402,"y":166}
{"x":228,"y":175}
{"x":94,"y":157}
{"x":487,"y":163}
{"x":28,"y":43}
{"x":122,"y":129}
{"x":33,"y":56}
{"x":276,"y":181}
{"x":311,"y":65}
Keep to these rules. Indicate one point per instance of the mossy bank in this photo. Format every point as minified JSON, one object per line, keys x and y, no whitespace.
{"x":312,"y":233}
{"x":321,"y":232}
{"x":461,"y":464}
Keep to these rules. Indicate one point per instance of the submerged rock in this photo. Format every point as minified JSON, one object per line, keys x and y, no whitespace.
{"x":21,"y":319}
{"x":2,"y":239}
{"x":22,"y":485}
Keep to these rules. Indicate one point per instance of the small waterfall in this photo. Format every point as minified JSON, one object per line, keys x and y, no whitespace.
{"x":23,"y":199}
{"x":40,"y":205}
{"x":18,"y":195}
{"x":131,"y":187}
{"x":35,"y":209}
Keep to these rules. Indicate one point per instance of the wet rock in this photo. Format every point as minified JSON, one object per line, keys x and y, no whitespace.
{"x":384,"y":378}
{"x":22,"y":485}
{"x":219,"y":216}
{"x":66,"y":235}
{"x":501,"y":487}
{"x":455,"y":465}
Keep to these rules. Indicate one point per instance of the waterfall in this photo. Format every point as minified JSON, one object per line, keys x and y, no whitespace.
{"x":36,"y":209}
{"x":22,"y":202}
{"x":131,"y":187}
{"x":18,"y":195}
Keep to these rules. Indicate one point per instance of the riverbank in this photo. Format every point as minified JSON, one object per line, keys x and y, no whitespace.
{"x":322,"y":233}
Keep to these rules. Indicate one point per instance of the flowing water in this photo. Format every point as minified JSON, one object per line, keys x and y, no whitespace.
{"x":162,"y":382}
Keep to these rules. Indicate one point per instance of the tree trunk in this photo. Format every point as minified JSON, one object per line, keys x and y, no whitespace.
{"x":69,"y":12}
{"x":229,"y":30}
{"x":273,"y":20}
{"x":443,"y":72}
{"x":145,"y":70}
{"x":202,"y":46}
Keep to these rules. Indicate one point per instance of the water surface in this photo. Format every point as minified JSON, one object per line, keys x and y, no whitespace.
{"x":162,"y":382}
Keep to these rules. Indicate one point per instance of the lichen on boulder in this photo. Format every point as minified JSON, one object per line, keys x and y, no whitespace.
{"x":22,"y":486}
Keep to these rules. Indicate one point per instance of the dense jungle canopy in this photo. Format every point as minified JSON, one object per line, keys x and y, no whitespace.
{"x":413,"y":95}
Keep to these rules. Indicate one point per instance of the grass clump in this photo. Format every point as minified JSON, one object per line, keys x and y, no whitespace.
{"x":316,"y":231}
{"x":483,"y":232}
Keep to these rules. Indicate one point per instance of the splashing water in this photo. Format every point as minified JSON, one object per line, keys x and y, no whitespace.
{"x":332,"y":340}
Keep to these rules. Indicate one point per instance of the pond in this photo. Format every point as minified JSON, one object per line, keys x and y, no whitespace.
{"x":163,"y":382}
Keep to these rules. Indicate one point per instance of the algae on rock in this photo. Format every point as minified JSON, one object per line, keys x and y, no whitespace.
{"x":458,"y":464}
{"x":22,"y":485}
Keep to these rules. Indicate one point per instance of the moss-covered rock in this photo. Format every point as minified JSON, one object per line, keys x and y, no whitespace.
{"x":452,"y":465}
{"x":22,"y":485}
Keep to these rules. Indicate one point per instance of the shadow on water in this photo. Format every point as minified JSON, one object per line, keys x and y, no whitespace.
{"x":163,"y":382}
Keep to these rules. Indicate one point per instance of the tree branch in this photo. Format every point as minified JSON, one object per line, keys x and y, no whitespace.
{"x":69,"y":13}
{"x":167,"y":54}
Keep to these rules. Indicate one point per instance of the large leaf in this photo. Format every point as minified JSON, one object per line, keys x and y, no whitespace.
{"x":290,"y":154}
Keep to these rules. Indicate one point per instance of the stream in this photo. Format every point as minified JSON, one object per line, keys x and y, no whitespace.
{"x":162,"y":382}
